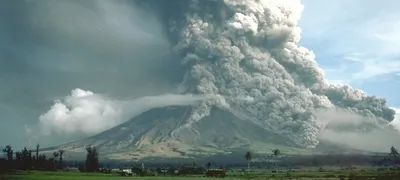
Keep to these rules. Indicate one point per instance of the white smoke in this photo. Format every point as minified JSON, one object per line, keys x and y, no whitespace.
{"x":81,"y":112}
{"x":359,"y":132}
{"x":249,"y":49}
{"x":396,"y":122}
{"x":84,"y":112}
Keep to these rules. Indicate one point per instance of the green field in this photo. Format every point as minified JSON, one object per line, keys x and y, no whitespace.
{"x":305,"y":175}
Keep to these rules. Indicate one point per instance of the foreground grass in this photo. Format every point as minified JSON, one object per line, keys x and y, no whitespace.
{"x":70,"y":176}
{"x":304,"y":175}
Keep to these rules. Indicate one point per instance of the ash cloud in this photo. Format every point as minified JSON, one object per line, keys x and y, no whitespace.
{"x":358,"y":132}
{"x":243,"y":52}
{"x":396,"y":122}
{"x":249,"y":49}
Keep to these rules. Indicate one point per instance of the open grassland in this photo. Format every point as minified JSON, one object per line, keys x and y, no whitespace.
{"x":303,"y":175}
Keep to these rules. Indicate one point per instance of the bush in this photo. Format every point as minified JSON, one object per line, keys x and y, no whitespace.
{"x":191,"y":170}
{"x":105,"y":171}
{"x":216,"y":173}
{"x":81,"y":167}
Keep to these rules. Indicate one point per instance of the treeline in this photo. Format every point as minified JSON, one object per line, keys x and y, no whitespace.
{"x":32,"y":160}
{"x":29,"y":160}
{"x":286,"y":162}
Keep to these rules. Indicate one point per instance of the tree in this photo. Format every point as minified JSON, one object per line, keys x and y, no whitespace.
{"x":276,"y":153}
{"x":208,"y":165}
{"x":37,"y":150}
{"x":61,"y":153}
{"x":55,"y":155}
{"x":92,"y":159}
{"x":41,"y":161}
{"x":393,"y":152}
{"x":24,"y":159}
{"x":248,"y":157}
{"x":9,"y":152}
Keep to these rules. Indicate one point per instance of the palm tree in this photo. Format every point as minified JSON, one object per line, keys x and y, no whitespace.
{"x":248,"y":158}
{"x":37,"y":150}
{"x":9,"y":152}
{"x":55,"y":155}
{"x":5,"y":152}
{"x":61,"y":153}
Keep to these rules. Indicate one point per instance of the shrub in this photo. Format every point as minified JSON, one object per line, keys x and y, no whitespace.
{"x":216,"y":173}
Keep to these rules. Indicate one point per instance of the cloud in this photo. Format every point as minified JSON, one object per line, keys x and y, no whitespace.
{"x":356,"y":131}
{"x":364,"y":43}
{"x":396,"y":122}
{"x":48,"y":48}
{"x":75,"y":44}
{"x":375,"y":141}
{"x":84,"y":112}
{"x":81,"y":112}
{"x":373,"y":65}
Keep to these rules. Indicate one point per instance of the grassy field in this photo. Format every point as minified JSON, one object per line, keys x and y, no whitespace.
{"x":304,"y":175}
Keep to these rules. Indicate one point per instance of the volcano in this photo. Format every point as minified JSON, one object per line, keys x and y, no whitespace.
{"x":152,"y":134}
{"x":266,"y":89}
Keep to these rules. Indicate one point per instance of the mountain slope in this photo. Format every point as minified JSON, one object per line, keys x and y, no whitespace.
{"x":150,"y":134}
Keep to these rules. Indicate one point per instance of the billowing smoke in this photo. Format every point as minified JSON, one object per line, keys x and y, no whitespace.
{"x":249,"y":48}
{"x":356,"y":131}
{"x":87,"y":113}
{"x":396,"y":122}
{"x":245,"y":53}
{"x":82,"y":111}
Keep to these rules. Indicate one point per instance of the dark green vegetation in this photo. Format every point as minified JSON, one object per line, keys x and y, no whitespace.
{"x":231,"y":174}
{"x":25,"y":160}
{"x":25,"y":165}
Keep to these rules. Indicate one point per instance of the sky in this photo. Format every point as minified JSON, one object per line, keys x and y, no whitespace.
{"x":355,"y":42}
{"x":49,"y":49}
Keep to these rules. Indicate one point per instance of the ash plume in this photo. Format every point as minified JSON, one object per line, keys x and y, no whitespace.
{"x":237,"y":48}
{"x":356,"y":131}
{"x":396,"y":122}
{"x":245,"y":55}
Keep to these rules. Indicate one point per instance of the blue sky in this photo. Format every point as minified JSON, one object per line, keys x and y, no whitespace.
{"x":356,"y":42}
